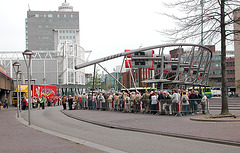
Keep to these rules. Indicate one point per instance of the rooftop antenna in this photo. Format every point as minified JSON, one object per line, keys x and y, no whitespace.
{"x":29,"y":8}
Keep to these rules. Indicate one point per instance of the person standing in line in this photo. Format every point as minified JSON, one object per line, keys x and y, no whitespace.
{"x":116,"y":101}
{"x":23,"y":103}
{"x":161,"y":100}
{"x":199,"y":98}
{"x":89,"y":101}
{"x":204,"y":103}
{"x":145,"y":98}
{"x":94,"y":101}
{"x":137,"y":100}
{"x":84,"y":101}
{"x":154,"y":103}
{"x":132,"y":96}
{"x":127,"y":103}
{"x":64,"y":102}
{"x":101,"y":102}
{"x":174,"y":101}
{"x":43,"y":99}
{"x":168,"y":103}
{"x":110,"y":102}
{"x":70,"y":102}
{"x":80,"y":102}
{"x":193,"y":102}
{"x":179,"y":92}
{"x":6,"y":102}
{"x":38,"y":103}
{"x":54,"y":101}
{"x":185,"y":103}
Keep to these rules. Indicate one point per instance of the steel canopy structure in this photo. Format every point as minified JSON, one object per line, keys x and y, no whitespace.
{"x":189,"y":64}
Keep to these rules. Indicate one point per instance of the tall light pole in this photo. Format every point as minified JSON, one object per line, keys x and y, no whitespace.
{"x":45,"y":90}
{"x":28,"y":53}
{"x":16,"y":66}
{"x":20,"y":83}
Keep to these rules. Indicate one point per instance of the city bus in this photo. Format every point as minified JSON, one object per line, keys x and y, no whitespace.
{"x":206,"y":90}
{"x":140,"y":89}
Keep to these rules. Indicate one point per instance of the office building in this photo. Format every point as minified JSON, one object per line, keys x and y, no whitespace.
{"x":54,"y":37}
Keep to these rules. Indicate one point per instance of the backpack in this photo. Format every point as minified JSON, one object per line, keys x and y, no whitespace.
{"x":184,"y":100}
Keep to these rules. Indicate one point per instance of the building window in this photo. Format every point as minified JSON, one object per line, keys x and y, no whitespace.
{"x":230,"y":71}
{"x":233,"y":63}
{"x":227,"y":71}
{"x":233,"y":71}
{"x":227,"y":80}
{"x":230,"y":64}
{"x":227,"y":64}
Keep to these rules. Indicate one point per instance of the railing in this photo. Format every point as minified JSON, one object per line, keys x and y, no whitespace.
{"x":164,"y":106}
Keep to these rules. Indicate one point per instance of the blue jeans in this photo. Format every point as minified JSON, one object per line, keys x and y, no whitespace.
{"x":185,"y":109}
{"x":194,"y":106}
{"x":174,"y":107}
{"x":93,"y":105}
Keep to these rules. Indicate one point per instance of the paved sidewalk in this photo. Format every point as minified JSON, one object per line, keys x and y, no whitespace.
{"x":17,"y":138}
{"x":183,"y":127}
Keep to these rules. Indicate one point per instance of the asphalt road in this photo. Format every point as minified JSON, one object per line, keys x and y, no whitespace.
{"x":127,"y":141}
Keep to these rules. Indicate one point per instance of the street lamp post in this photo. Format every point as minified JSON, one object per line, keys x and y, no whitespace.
{"x":20,"y":93}
{"x":28,"y":65}
{"x":45,"y":90}
{"x":16,"y":66}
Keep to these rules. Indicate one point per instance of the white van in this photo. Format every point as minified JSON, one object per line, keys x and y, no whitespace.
{"x":216,"y":92}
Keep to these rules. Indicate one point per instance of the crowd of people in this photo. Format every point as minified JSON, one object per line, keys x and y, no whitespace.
{"x":41,"y":102}
{"x":163,"y":102}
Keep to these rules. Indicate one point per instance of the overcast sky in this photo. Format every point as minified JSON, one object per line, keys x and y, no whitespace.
{"x":106,"y":26}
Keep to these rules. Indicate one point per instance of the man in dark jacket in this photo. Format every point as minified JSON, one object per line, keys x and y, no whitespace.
{"x":70,"y":102}
{"x":193,"y":102}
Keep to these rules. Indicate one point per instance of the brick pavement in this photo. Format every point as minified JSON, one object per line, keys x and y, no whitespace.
{"x":220,"y":132}
{"x":17,"y":138}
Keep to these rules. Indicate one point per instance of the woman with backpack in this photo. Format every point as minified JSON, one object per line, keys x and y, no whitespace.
{"x":185,"y":103}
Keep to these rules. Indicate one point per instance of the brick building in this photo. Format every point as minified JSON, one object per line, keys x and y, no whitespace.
{"x":139,"y":75}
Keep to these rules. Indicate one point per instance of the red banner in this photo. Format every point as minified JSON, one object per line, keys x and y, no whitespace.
{"x":41,"y":90}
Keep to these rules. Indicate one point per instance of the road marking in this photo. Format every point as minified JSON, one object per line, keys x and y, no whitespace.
{"x":70,"y":138}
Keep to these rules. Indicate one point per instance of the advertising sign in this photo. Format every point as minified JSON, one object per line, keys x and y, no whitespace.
{"x":42,"y":90}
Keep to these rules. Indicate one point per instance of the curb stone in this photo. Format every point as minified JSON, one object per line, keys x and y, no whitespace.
{"x":176,"y":135}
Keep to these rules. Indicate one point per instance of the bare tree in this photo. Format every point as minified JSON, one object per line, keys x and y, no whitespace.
{"x":206,"y":22}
